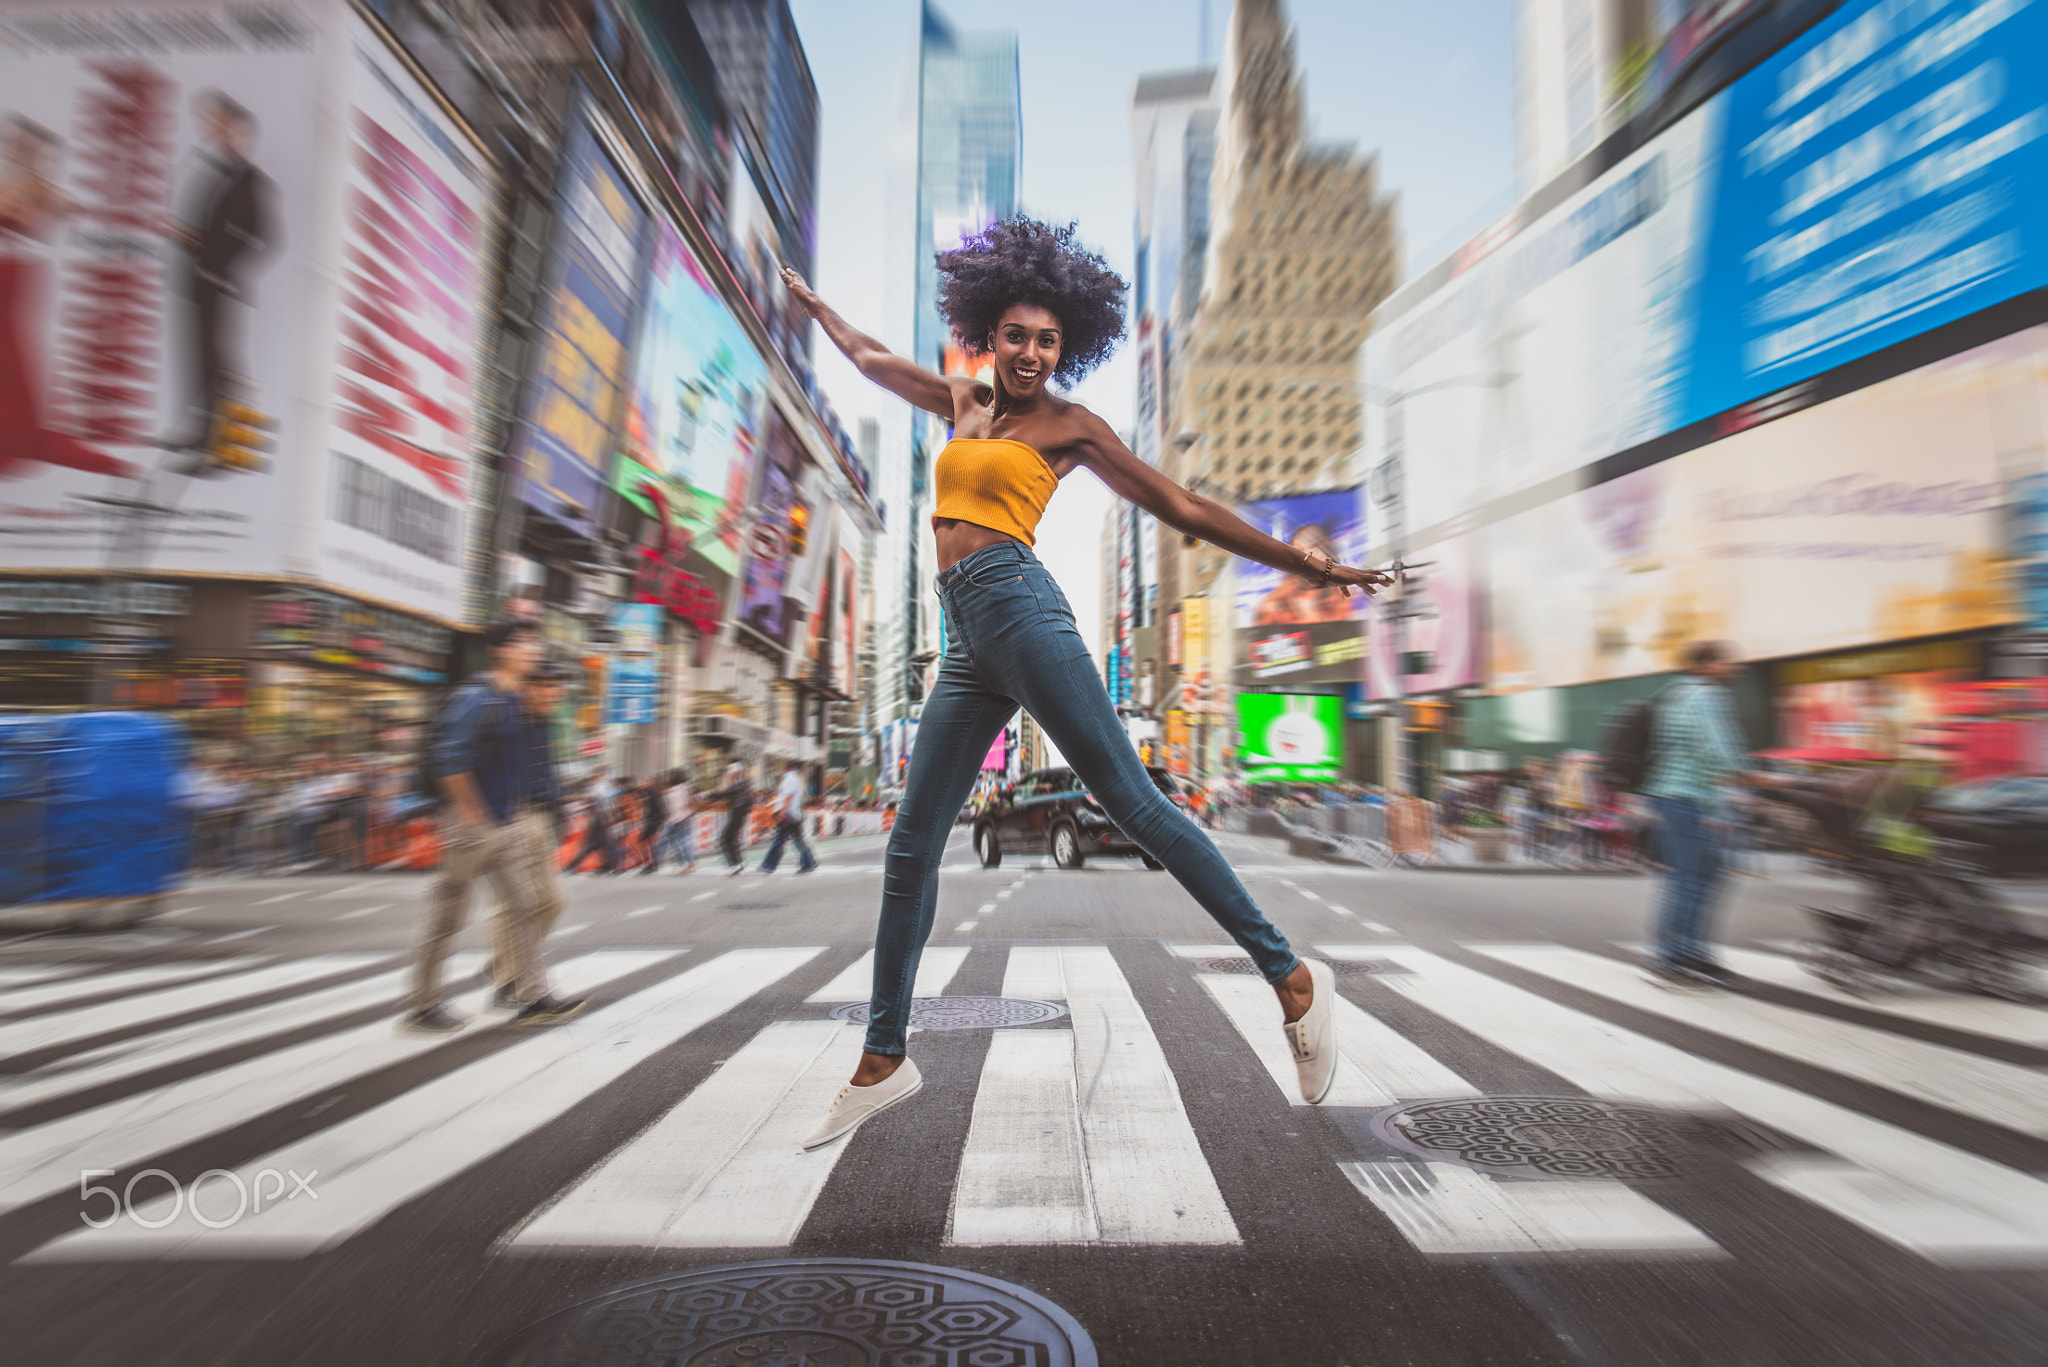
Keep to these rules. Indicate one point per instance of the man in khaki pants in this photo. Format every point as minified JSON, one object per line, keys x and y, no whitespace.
{"x":543,"y":698}
{"x":481,"y":757}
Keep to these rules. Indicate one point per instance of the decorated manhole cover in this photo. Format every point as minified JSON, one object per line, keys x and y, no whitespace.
{"x":965,"y":1013}
{"x":806,"y":1312}
{"x":1343,"y":968}
{"x":1564,"y":1137}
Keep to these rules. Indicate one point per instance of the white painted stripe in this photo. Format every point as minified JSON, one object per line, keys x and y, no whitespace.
{"x":20,"y":977}
{"x":112,"y":1062}
{"x":702,"y":895}
{"x":1034,"y":973}
{"x":372,"y":1163}
{"x":855,"y":983}
{"x":237,"y":935}
{"x":1146,"y":1172}
{"x":2002,"y":1093}
{"x":41,"y":1032}
{"x":361,"y":912}
{"x":985,"y":908}
{"x":354,"y":888}
{"x":1310,"y":893}
{"x":1342,"y":911}
{"x":964,"y":927}
{"x":1376,"y":1065}
{"x":104,"y":984}
{"x":175,"y":912}
{"x":1926,"y":1196}
{"x":1445,"y":1209}
{"x":282,"y":897}
{"x":1977,"y":1015}
{"x":1378,"y":929}
{"x":722,"y":1169}
{"x":646,"y":911}
{"x":566,"y":931}
{"x":1023,"y":1176}
{"x":1003,"y":894}
{"x":44,"y":1159}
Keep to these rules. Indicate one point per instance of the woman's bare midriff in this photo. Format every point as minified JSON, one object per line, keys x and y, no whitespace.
{"x":957,"y":540}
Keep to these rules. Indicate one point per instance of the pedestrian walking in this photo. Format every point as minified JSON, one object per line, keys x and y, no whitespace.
{"x":679,"y":810}
{"x":789,"y":821}
{"x":653,"y":816}
{"x":1696,"y":749}
{"x":481,"y":760}
{"x":738,"y":796}
{"x":542,"y":697}
{"x":600,"y":809}
{"x":1040,"y":307}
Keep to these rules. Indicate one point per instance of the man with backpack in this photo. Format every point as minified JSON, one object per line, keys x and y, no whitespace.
{"x":1695,"y":749}
{"x":481,"y":759}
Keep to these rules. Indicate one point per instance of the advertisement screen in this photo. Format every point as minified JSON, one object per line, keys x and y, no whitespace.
{"x":573,"y":392}
{"x":782,"y":524}
{"x":1286,"y":627}
{"x":846,"y":643}
{"x":1427,"y":639}
{"x":1290,"y":737}
{"x":1884,"y":174}
{"x":695,"y":406}
{"x":1824,"y":530}
{"x":158,"y":175}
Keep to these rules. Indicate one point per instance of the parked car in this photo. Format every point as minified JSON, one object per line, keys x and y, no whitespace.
{"x":2004,"y":819}
{"x":1049,"y":811}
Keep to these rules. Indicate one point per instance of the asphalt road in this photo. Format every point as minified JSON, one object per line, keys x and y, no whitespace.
{"x":1606,"y":1174}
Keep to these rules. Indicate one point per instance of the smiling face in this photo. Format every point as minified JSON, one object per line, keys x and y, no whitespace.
{"x":1025,"y":348}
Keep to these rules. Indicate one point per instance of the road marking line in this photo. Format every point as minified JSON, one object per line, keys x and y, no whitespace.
{"x":964,"y":927}
{"x":237,"y":935}
{"x":722,"y":1169}
{"x":1976,"y":1015}
{"x":361,"y":912}
{"x":855,"y":982}
{"x":40,"y":1032}
{"x":40,"y":1161}
{"x":375,"y":1162}
{"x":355,"y":888}
{"x":1023,"y":1175}
{"x":2002,"y":1093}
{"x":282,"y":897}
{"x":152,"y":975}
{"x":646,"y":911}
{"x":702,"y":895}
{"x":1443,"y":1208}
{"x":1034,"y":973}
{"x":1941,"y":1202}
{"x":1343,"y":911}
{"x":985,"y":908}
{"x":567,"y":931}
{"x":1312,"y":896}
{"x":1378,"y":928}
{"x":175,"y":912}
{"x":1003,"y":894}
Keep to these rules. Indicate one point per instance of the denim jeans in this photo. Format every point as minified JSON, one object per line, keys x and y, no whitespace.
{"x":1690,"y":842}
{"x":786,"y":831}
{"x":1010,"y":640}
{"x":676,"y":842}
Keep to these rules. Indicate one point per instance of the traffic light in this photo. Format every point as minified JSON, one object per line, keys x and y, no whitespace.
{"x":241,"y":436}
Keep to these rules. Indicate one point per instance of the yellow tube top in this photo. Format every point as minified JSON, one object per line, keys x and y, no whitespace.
{"x":993,"y":482}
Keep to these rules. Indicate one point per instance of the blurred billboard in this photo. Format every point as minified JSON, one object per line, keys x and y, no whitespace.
{"x":1286,"y":627}
{"x":1427,"y":637}
{"x":780,"y":533}
{"x":174,"y":243}
{"x":1873,"y":517}
{"x":1883,"y":175}
{"x":571,"y":406}
{"x":1291,"y":737}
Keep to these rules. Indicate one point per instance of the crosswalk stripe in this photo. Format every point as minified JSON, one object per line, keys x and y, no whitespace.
{"x":20,"y":977}
{"x":107,"y":984}
{"x":126,"y":1058}
{"x":855,"y":982}
{"x":2002,"y":1093}
{"x":1443,"y":1208}
{"x":1033,"y":972}
{"x":44,"y":1159}
{"x":1023,"y":1175}
{"x":41,"y":1032}
{"x":377,"y":1161}
{"x":723,"y":1168}
{"x":1976,"y":1015}
{"x":1931,"y":1198}
{"x":1138,"y":1158}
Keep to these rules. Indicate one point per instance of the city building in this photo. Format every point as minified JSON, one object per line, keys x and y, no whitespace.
{"x":1259,"y":383}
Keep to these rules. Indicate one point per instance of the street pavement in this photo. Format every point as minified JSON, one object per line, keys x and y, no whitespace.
{"x":1531,"y":1154}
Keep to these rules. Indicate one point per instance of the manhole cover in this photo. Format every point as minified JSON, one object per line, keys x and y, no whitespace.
{"x":807,"y":1312}
{"x":1566,"y":1137}
{"x":1343,"y":968}
{"x":965,"y":1013}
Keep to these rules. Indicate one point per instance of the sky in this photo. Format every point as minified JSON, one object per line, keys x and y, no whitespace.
{"x":1426,"y":86}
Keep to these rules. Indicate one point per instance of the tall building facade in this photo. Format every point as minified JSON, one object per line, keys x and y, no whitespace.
{"x":1296,"y":249}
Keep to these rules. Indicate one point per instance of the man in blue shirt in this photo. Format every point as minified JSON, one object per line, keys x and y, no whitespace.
{"x":1696,"y":749}
{"x":482,"y":761}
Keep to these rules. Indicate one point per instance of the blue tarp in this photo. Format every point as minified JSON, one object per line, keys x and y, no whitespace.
{"x":89,"y":806}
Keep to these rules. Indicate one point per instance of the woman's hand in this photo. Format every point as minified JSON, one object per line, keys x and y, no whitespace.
{"x":1324,"y":572}
{"x":801,"y":292}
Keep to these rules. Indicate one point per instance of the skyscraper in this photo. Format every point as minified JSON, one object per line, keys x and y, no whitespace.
{"x":766,"y":83}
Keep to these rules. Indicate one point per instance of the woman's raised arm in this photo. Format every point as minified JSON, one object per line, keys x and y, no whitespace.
{"x":905,"y":379}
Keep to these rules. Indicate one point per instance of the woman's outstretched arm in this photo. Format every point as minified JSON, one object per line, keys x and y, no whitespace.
{"x":905,"y":379}
{"x":1189,"y":513}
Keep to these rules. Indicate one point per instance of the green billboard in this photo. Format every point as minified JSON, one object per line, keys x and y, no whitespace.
{"x":1291,"y":737}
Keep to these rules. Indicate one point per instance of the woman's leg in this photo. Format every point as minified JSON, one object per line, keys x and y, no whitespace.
{"x":1064,"y":694}
{"x":960,"y":722}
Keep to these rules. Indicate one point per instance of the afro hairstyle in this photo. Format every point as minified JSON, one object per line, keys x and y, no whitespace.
{"x":1023,"y":261}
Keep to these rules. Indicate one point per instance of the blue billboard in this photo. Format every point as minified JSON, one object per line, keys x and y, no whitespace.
{"x":575,"y":386}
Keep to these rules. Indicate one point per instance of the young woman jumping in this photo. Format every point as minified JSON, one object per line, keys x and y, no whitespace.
{"x":1043,"y":308}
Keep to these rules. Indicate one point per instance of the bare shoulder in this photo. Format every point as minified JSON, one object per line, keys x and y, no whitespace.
{"x":968,"y":395}
{"x":1087,"y":435}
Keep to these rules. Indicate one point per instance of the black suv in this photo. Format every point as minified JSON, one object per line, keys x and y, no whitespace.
{"x":1049,"y":811}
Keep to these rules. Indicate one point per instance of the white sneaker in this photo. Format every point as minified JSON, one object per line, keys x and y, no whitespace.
{"x":1313,"y":1038}
{"x":856,"y":1104}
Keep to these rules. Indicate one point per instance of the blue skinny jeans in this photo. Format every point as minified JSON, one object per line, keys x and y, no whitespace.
{"x":1010,"y":640}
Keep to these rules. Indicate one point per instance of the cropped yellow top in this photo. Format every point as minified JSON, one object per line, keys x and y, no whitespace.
{"x":993,"y":482}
